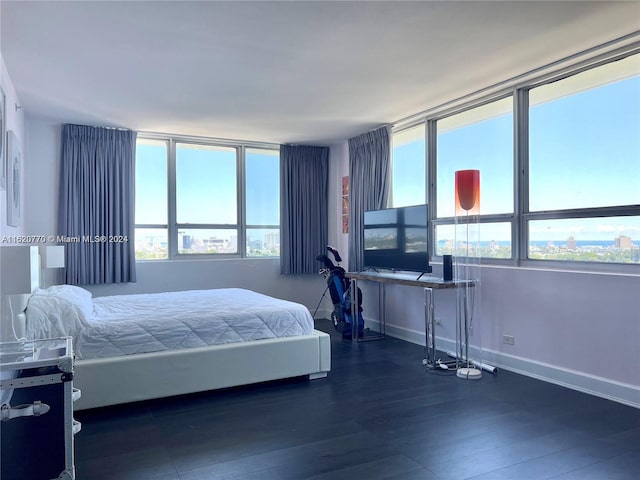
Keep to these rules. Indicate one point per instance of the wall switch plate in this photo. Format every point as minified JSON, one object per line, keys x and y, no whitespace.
{"x":508,"y":340}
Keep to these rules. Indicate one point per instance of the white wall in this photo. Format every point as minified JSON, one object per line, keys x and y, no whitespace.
{"x":15,"y":122}
{"x":44,"y":144}
{"x":579,"y":329}
{"x":10,"y":234}
{"x":262,"y":275}
{"x":338,"y":168}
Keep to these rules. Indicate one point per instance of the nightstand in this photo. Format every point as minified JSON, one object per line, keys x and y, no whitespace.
{"x":37,"y":427}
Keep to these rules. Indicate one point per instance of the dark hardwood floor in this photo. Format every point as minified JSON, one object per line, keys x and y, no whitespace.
{"x":378,"y":415}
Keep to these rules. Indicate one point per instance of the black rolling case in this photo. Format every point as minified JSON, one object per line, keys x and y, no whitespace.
{"x":37,"y":395}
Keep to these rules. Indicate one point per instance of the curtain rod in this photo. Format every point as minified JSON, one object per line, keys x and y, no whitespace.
{"x":100,"y":126}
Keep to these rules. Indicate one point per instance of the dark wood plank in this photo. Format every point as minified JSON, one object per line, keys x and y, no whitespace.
{"x":377,"y":415}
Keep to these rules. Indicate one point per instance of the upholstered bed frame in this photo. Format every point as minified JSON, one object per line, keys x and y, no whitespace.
{"x":130,"y":378}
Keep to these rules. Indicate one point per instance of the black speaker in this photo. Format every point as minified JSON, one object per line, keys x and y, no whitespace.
{"x":447,"y":268}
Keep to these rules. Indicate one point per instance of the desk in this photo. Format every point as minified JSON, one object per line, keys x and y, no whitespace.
{"x":427,"y":283}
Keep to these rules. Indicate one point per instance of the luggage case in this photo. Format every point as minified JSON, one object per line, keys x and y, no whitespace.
{"x":37,"y":395}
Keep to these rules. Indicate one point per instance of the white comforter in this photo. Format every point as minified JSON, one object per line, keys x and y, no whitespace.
{"x":128,"y":324}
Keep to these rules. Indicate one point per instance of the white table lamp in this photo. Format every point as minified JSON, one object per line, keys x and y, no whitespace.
{"x":53,"y":256}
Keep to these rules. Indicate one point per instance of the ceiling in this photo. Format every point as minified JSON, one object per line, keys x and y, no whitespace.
{"x":283,"y":72}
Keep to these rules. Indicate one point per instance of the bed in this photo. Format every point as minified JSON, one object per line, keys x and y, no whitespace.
{"x":138,"y":347}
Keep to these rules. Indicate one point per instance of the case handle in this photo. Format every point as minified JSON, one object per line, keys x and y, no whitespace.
{"x":34,"y":409}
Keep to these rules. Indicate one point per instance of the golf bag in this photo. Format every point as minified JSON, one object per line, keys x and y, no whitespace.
{"x":340,"y":290}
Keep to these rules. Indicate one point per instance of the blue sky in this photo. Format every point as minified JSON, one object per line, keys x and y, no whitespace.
{"x":584,"y":152}
{"x":206,"y":185}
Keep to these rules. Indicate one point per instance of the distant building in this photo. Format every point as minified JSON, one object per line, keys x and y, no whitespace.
{"x":255,"y":245}
{"x":216,"y":244}
{"x":272,"y":240}
{"x":571,"y":243}
{"x":624,"y":242}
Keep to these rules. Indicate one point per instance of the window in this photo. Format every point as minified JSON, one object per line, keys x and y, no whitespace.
{"x":484,"y":239}
{"x":206,"y":199}
{"x":201,"y":199}
{"x":584,"y":166}
{"x":584,"y":140}
{"x":408,"y":170}
{"x":481,"y":139}
{"x":151,"y":231}
{"x":559,"y":161}
{"x":599,"y":239}
{"x":263,"y":202}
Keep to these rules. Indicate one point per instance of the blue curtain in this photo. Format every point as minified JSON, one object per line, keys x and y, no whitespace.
{"x":369,"y":164}
{"x":304,"y":180}
{"x":97,"y":204}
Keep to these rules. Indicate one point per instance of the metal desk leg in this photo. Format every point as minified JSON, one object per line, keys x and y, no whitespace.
{"x":431,"y":361}
{"x":429,"y":329}
{"x":381,"y":309}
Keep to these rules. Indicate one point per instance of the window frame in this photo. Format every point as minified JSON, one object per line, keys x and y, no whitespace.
{"x":393,"y":160}
{"x":243,"y":210}
{"x":173,"y":227}
{"x":519,"y":88}
{"x":508,"y":218}
{"x":526,"y":215}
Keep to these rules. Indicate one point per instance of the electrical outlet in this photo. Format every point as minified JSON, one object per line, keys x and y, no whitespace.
{"x":508,"y":340}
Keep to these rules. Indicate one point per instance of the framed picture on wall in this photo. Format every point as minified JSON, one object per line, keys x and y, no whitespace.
{"x":345,"y":186}
{"x":3,"y":139}
{"x":345,"y":204}
{"x":14,"y":180}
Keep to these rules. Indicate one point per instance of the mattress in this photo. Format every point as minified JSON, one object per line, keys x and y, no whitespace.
{"x":132,"y":324}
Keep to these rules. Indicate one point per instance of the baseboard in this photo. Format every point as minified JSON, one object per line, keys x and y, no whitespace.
{"x":624,"y":393}
{"x":409,"y":335}
{"x":602,"y":387}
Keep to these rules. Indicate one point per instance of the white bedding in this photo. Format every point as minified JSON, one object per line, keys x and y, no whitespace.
{"x":129,"y":324}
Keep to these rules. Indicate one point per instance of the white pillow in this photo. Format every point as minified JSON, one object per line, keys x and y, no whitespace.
{"x":78,"y":298}
{"x":49,"y":316}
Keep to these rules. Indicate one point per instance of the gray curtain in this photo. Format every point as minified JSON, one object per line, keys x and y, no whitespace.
{"x":369,"y":164}
{"x":304,"y":179}
{"x":97,"y":204}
